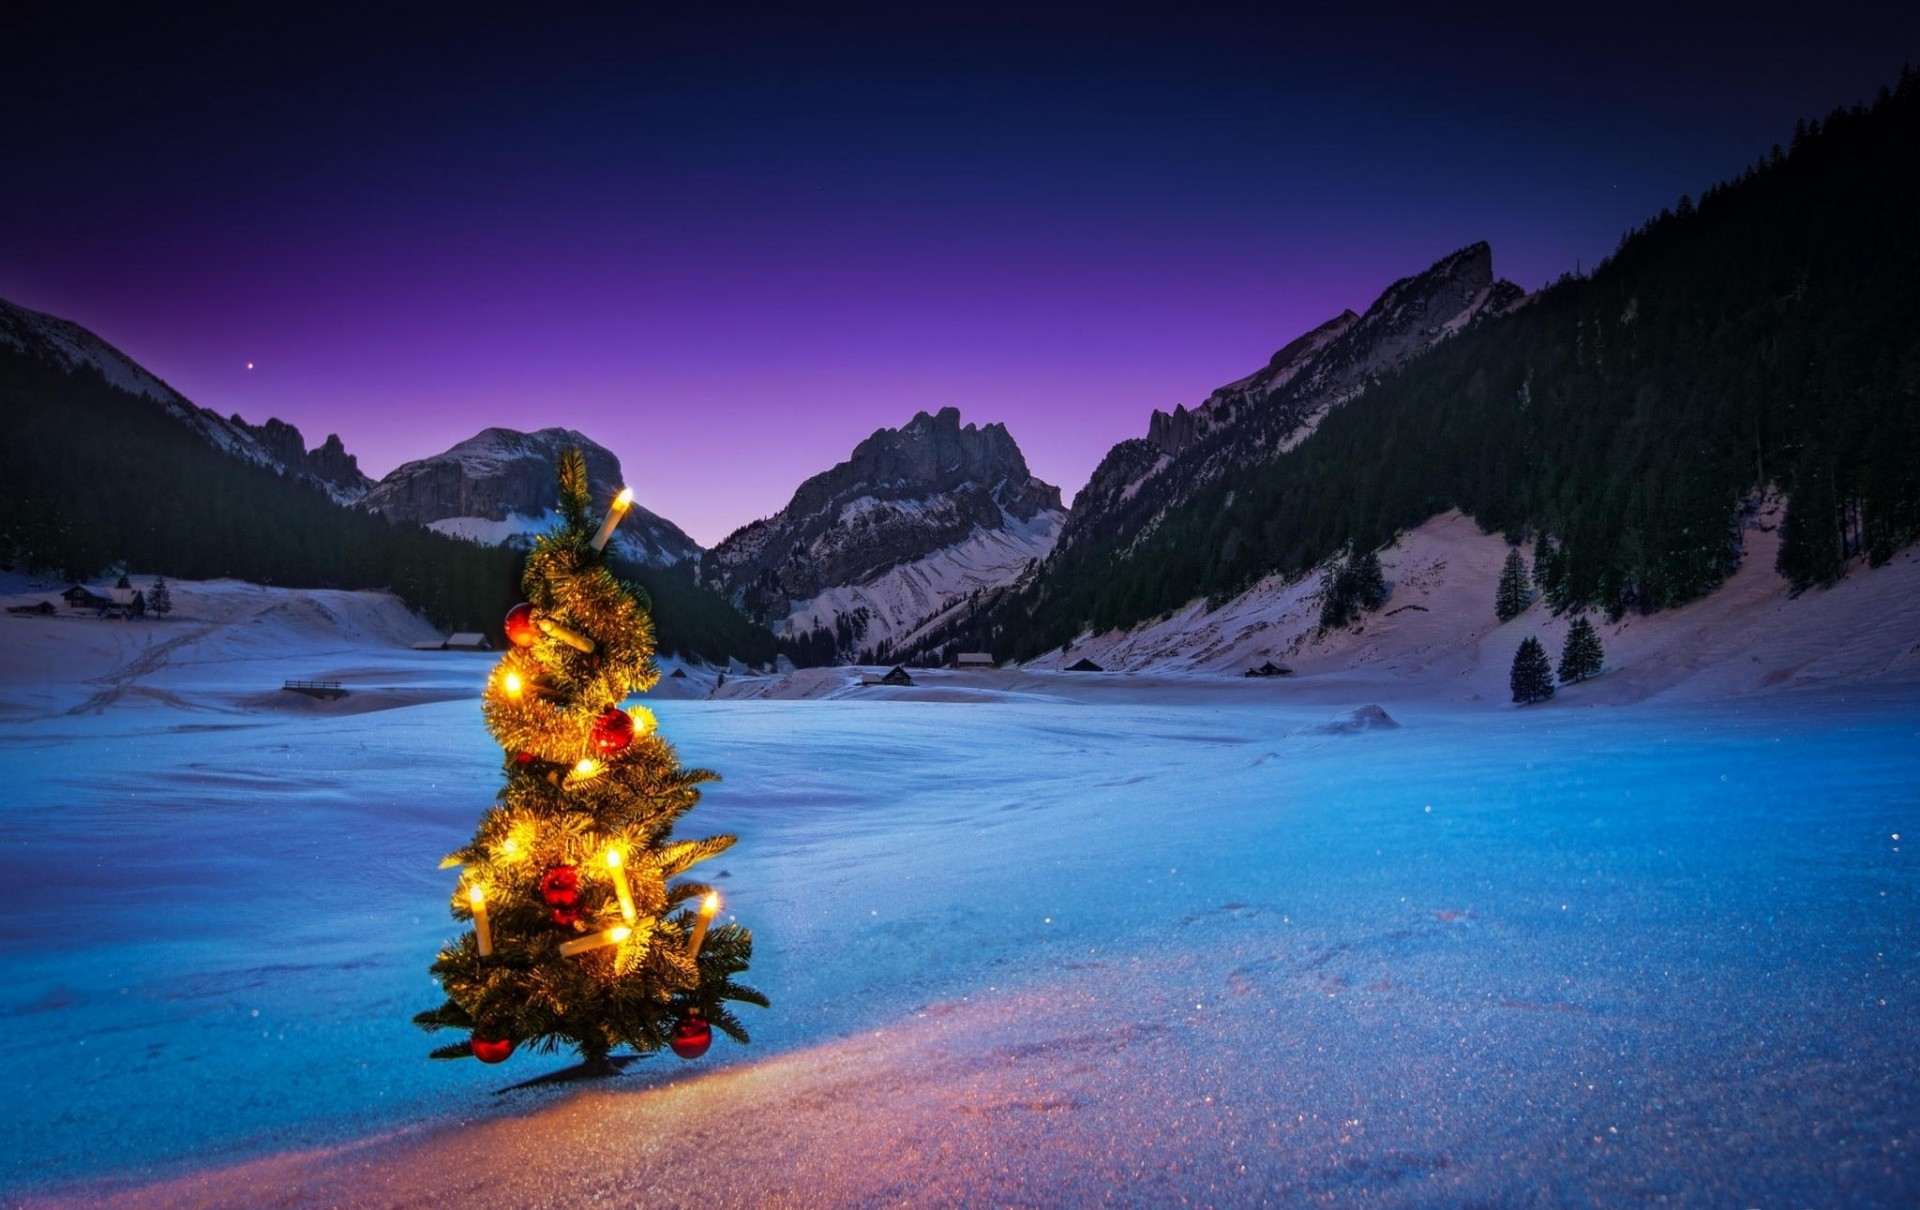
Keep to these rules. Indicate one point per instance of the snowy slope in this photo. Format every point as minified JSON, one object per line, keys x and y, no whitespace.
{"x":1114,"y":942}
{"x":1438,"y":629}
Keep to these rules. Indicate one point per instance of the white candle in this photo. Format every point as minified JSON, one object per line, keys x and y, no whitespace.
{"x":594,"y":941}
{"x":571,"y":638}
{"x":619,"y":510}
{"x":620,"y":888}
{"x":708,"y":907}
{"x":482,"y":931}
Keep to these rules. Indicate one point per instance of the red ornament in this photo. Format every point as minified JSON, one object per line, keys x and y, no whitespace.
{"x":560,"y":887}
{"x":521,"y":628}
{"x":691,"y":1036}
{"x":491,"y":1050}
{"x":523,"y":758}
{"x":612,"y":731}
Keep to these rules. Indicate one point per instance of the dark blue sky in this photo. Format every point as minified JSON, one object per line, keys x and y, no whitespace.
{"x":728,"y":241}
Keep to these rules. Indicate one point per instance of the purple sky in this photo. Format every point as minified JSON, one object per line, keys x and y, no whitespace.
{"x":729,"y":247}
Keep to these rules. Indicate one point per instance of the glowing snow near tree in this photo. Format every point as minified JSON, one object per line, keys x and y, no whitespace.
{"x":1559,"y":954}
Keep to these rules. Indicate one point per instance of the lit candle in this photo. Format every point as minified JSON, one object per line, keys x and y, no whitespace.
{"x":621,"y":503}
{"x":572,"y":638}
{"x":708,"y":907}
{"x":620,"y":888}
{"x":482,"y":931}
{"x":594,"y":941}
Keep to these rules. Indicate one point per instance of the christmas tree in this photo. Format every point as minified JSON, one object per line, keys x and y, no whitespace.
{"x":580,"y":935}
{"x":1581,"y":655}
{"x":1532,"y":676}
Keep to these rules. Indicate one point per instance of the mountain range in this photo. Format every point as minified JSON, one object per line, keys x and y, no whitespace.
{"x":1623,"y":422}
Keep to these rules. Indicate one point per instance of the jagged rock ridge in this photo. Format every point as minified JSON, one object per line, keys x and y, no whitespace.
{"x":1254,"y":419}
{"x":918,"y":517}
{"x":497,"y":486}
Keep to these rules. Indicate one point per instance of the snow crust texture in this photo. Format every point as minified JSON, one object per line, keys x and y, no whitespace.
{"x":1067,"y":938}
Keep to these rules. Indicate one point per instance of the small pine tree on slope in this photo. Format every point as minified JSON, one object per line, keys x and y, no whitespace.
{"x":580,"y":936}
{"x":1581,"y":655}
{"x":1532,"y":676}
{"x":160,"y":598}
{"x":1513,"y":595}
{"x":1353,"y":585}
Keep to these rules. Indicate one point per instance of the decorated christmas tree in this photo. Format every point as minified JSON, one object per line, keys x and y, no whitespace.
{"x":580,"y":934}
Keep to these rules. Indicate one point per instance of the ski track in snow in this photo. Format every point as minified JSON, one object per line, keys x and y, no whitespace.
{"x":1156,"y":942}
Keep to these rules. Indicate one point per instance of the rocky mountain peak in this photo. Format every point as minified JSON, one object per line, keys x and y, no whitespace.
{"x":328,"y":463}
{"x":498,"y":486}
{"x":914,"y":518}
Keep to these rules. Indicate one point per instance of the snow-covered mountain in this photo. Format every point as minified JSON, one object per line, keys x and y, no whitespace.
{"x":1268,"y":412}
{"x":919,"y":519}
{"x":497,"y":486}
{"x":275,"y":444}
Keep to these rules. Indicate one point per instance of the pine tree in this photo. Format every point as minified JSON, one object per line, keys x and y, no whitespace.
{"x":1512,"y":597}
{"x":580,"y":935}
{"x":1532,"y":676}
{"x":1336,"y":598}
{"x":1580,"y":656}
{"x":160,"y":598}
{"x":1352,"y":586}
{"x":1369,"y":585}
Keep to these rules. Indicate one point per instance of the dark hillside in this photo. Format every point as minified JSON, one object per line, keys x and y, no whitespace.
{"x":1769,"y":334}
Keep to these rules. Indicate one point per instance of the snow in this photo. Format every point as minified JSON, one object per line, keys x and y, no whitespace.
{"x":1158,"y":938}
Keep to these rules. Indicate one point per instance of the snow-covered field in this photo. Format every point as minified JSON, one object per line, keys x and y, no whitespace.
{"x":1049,"y":938}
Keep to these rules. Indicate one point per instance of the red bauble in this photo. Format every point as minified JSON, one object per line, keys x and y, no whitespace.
{"x":523,"y":758}
{"x":521,"y":629}
{"x":691,"y":1037}
{"x":491,"y":1050}
{"x":612,"y":731}
{"x":560,"y":887}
